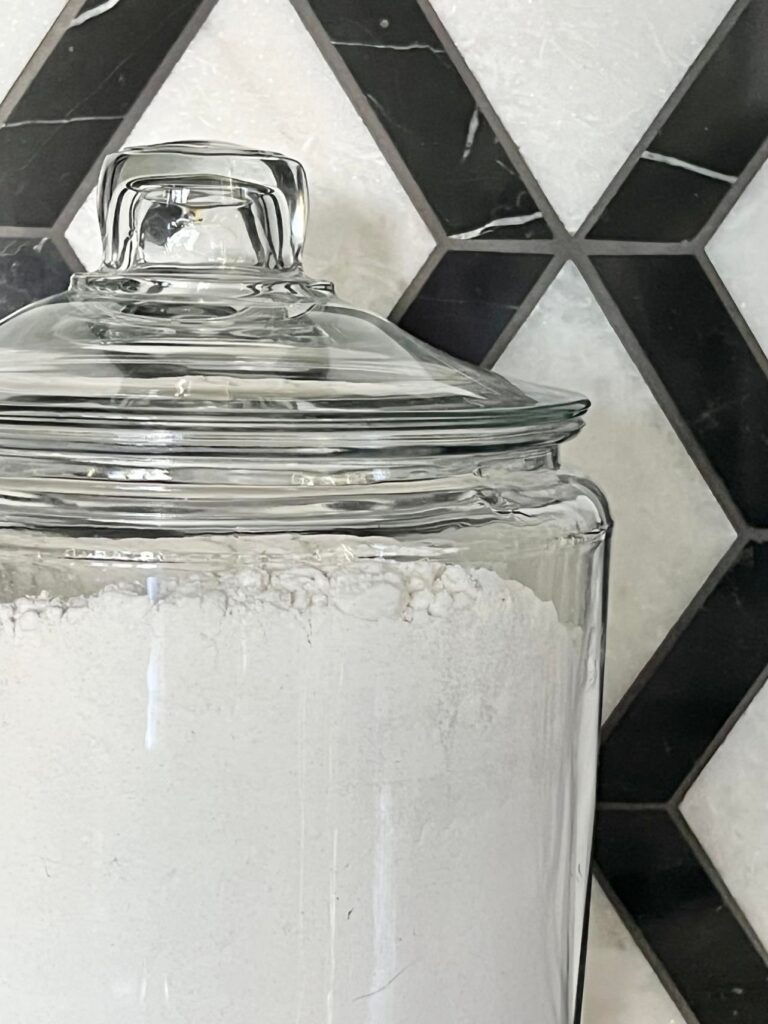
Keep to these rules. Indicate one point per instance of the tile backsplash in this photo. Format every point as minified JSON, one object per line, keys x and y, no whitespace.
{"x":567,"y":190}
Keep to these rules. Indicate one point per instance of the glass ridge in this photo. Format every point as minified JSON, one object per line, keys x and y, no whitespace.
{"x":201,"y":335}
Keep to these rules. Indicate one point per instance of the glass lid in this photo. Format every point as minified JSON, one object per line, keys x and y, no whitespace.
{"x":201,"y":336}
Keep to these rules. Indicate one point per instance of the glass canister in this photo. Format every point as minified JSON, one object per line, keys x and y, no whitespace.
{"x":300,"y":641}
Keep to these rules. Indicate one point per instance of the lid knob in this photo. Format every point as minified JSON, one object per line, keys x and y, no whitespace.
{"x":202,"y":204}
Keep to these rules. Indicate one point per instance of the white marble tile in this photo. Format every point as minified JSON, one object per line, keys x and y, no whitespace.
{"x":669,"y":530}
{"x":739,"y":251}
{"x":24,"y":25}
{"x":621,"y":986}
{"x":253,"y":75}
{"x":727,"y":808}
{"x":577,"y":82}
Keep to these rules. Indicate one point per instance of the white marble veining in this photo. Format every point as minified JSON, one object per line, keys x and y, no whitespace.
{"x":94,"y":12}
{"x":24,"y":25}
{"x":253,"y":75}
{"x":739,"y":251}
{"x":577,"y":82}
{"x":727,"y":808}
{"x":658,"y":561}
{"x":621,"y":987}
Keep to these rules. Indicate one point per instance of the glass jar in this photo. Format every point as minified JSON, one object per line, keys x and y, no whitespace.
{"x":301,"y":633}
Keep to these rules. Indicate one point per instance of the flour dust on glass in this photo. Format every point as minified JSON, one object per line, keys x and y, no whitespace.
{"x":300,"y":640}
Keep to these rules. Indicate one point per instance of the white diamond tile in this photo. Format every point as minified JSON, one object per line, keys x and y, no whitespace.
{"x":25,"y":23}
{"x":620,"y":987}
{"x":658,"y":558}
{"x":577,"y":82}
{"x":727,"y":808}
{"x":254,"y":76}
{"x":739,"y":251}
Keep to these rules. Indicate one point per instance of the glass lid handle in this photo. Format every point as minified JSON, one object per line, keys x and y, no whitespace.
{"x":204,"y":205}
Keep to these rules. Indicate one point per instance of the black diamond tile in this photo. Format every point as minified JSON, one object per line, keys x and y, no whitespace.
{"x":657,"y":876}
{"x":718,"y":126}
{"x":425,"y":106}
{"x":469,"y":299}
{"x":30,"y":269}
{"x":704,"y":363}
{"x":697,"y":687}
{"x":67,"y":115}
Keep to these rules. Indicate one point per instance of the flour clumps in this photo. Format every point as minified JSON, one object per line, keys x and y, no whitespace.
{"x":313,"y":788}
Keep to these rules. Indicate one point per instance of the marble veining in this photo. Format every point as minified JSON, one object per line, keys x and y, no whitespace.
{"x":577,"y":82}
{"x":24,"y":28}
{"x":90,"y":12}
{"x":499,"y":222}
{"x":67,"y":114}
{"x":58,"y":120}
{"x":445,"y":140}
{"x":676,"y":316}
{"x":739,"y":251}
{"x":364,"y":232}
{"x":686,"y":165}
{"x":719,"y":122}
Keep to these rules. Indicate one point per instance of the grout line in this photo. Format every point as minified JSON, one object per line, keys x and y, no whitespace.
{"x":724,"y":565}
{"x":717,"y":741}
{"x":685,"y":83}
{"x":364,"y":108}
{"x":709,"y":869}
{"x":484,"y":105}
{"x":668,"y":406}
{"x":48,"y":44}
{"x":596,"y":247}
{"x":523,"y":311}
{"x":656,"y":964}
{"x":16,"y":232}
{"x":627,"y":806}
{"x":142,"y":101}
{"x":529,"y":245}
{"x":405,"y":301}
{"x":569,"y":246}
{"x":734,"y":312}
{"x":68,"y":254}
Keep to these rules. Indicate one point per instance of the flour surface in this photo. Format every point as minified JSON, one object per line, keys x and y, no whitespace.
{"x":308,"y":793}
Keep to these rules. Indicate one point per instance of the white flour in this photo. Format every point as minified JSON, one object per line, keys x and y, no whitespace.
{"x":337,"y":797}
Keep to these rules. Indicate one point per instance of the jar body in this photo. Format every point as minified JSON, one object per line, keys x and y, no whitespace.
{"x":303,"y":777}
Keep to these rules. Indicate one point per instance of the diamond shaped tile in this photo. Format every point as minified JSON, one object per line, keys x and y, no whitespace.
{"x":727,"y":808}
{"x":739,"y":251}
{"x":577,"y":82}
{"x":235,"y":82}
{"x":621,"y":986}
{"x":24,"y":27}
{"x":658,"y":560}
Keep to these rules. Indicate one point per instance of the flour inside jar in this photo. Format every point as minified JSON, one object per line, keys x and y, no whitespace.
{"x":334,"y":790}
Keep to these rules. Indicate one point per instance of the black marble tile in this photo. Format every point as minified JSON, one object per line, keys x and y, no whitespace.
{"x":718,"y":125}
{"x":704,"y":363}
{"x":469,"y":299}
{"x":422,"y":101}
{"x":694,"y":691}
{"x":663,"y":886}
{"x":67,"y":115}
{"x":660,"y":203}
{"x":30,"y":269}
